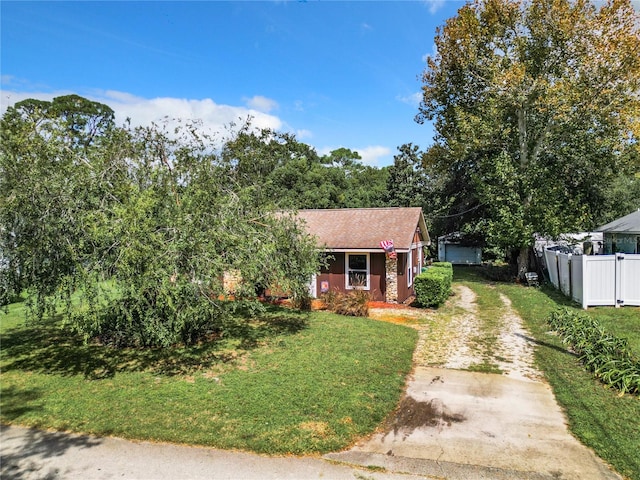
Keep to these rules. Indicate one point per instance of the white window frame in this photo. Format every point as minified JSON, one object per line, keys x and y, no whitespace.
{"x":410,"y":268}
{"x":347,"y":270}
{"x":313,"y":286}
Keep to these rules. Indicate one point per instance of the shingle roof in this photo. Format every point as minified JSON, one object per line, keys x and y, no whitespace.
{"x":627,"y":224}
{"x":364,"y":228}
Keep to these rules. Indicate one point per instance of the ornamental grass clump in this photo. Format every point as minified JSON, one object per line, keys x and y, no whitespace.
{"x":607,"y":356}
{"x":354,"y":304}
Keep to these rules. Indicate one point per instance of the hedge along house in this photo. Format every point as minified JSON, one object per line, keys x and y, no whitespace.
{"x":355,"y":240}
{"x":622,"y":235}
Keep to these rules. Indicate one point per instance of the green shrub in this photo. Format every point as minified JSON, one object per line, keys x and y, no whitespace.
{"x":433,"y":287}
{"x":607,"y":356}
{"x":445,"y":267}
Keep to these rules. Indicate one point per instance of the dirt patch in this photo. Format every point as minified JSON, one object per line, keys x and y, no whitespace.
{"x":375,"y":312}
{"x":466,"y":327}
{"x":445,"y":338}
{"x":318,"y":429}
{"x":413,"y":414}
{"x":400,"y":314}
{"x":514,"y":352}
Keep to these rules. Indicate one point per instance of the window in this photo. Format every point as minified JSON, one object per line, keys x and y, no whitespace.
{"x":357,"y":271}
{"x":409,"y":268}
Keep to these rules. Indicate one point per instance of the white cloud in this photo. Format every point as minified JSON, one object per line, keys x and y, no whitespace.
{"x":434,"y":5}
{"x":373,"y":155}
{"x":414,"y":99}
{"x":262,"y":104}
{"x":302,"y":133}
{"x":142,"y":111}
{"x":433,"y":54}
{"x":325,"y":150}
{"x":9,"y":98}
{"x":214,"y":117}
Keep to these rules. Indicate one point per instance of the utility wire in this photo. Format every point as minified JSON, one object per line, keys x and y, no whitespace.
{"x":458,"y":214}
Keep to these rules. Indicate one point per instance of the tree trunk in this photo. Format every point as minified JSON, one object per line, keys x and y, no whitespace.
{"x":523,"y":262}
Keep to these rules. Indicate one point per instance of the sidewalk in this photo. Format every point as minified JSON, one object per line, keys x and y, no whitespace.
{"x":28,"y":454}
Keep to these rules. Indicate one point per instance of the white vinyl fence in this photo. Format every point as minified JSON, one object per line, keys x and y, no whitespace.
{"x":593,"y":280}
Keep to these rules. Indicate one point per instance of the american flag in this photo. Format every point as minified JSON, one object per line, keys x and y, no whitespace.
{"x":387,"y":246}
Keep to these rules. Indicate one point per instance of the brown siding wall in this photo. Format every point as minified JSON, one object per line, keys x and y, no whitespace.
{"x":403,"y":290}
{"x":378,"y":277}
{"x":335,"y":275}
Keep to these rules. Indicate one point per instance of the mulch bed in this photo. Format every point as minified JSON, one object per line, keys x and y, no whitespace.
{"x":387,"y":305}
{"x":317,"y":304}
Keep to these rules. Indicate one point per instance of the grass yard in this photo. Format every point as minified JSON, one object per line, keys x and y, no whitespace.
{"x":599,"y":417}
{"x":307,"y":383}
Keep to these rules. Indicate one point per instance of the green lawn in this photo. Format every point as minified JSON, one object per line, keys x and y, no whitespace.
{"x":305,"y":384}
{"x":598,"y":416}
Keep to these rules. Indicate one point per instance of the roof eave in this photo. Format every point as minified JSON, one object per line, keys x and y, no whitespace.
{"x":623,"y":232}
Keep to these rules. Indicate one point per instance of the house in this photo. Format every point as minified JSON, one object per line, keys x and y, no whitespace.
{"x":587,"y":243}
{"x":622,"y":235}
{"x":456,"y":249}
{"x":379,"y":250}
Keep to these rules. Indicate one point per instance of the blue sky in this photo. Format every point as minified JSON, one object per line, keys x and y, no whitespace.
{"x":337,"y":74}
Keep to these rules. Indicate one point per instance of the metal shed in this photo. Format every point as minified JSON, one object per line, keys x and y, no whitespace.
{"x":454,"y":249}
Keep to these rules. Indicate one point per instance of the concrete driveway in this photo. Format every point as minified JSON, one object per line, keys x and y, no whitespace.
{"x":457,"y":424}
{"x":463,"y":425}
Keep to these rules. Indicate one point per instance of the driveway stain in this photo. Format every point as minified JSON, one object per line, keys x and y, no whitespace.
{"x":413,"y":414}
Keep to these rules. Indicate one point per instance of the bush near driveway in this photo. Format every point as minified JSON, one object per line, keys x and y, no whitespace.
{"x":433,"y":286}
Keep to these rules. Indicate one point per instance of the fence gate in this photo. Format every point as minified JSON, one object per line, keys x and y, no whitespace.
{"x":628,"y":279}
{"x":598,"y":280}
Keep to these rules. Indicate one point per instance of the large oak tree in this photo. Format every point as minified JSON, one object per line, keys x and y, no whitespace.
{"x":536,"y":101}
